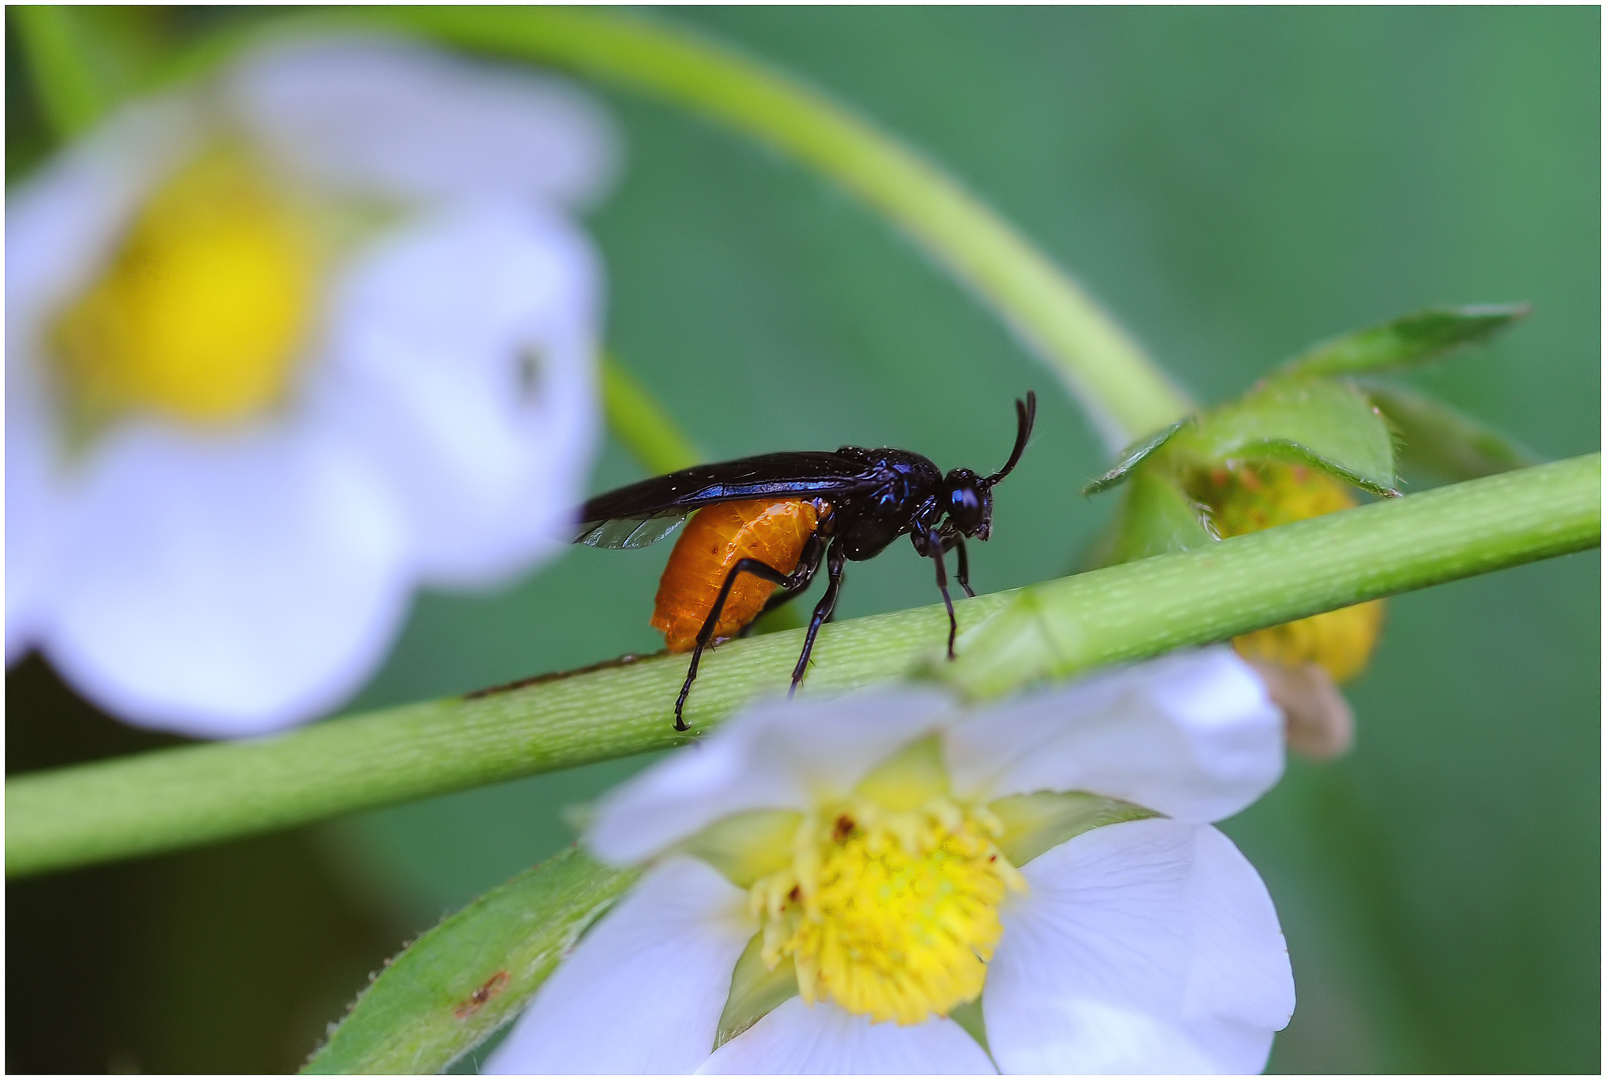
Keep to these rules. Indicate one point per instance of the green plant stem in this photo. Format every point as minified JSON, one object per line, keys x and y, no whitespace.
{"x":175,"y":798}
{"x":1100,"y":363}
{"x":1088,"y":620}
{"x":641,"y":424}
{"x":1121,"y":388}
{"x":70,"y":95}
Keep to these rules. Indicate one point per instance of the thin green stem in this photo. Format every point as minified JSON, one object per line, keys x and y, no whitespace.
{"x":1120,"y":387}
{"x":1098,"y":360}
{"x":174,"y":798}
{"x":641,"y":424}
{"x":70,"y":95}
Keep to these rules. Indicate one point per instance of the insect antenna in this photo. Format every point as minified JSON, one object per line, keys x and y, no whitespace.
{"x":1026,"y":414}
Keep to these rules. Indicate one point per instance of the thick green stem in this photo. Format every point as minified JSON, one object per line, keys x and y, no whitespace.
{"x":175,"y":798}
{"x":1104,"y":617}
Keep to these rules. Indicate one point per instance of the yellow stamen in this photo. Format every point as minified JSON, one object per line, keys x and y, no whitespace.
{"x":1258,"y":497}
{"x":891,"y":914}
{"x":204,"y":307}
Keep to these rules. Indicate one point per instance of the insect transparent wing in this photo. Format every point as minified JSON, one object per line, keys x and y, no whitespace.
{"x":630,"y":532}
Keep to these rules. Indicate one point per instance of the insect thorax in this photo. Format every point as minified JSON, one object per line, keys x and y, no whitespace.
{"x":904,"y":485}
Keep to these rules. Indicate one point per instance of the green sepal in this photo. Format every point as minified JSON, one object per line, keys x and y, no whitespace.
{"x":755,"y":991}
{"x":1133,"y":456}
{"x":908,"y":779}
{"x":450,"y":989}
{"x":747,"y":846}
{"x":1443,"y":441}
{"x":1042,"y":820}
{"x":1157,"y":517}
{"x":1410,"y":339}
{"x":969,"y":1015}
{"x":1330,"y":425}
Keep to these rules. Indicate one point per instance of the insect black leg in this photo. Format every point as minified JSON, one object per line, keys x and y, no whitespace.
{"x":808,"y":565}
{"x":963,"y":574}
{"x":743,"y":566}
{"x":934,"y":546}
{"x":823,"y":611}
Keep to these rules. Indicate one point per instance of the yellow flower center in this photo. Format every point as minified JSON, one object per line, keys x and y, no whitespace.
{"x":203,"y":309}
{"x":888,"y":913}
{"x":1258,"y":497}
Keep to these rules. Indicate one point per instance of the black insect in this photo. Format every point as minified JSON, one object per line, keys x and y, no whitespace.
{"x":774,"y":517}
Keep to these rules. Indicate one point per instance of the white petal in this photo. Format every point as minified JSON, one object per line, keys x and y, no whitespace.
{"x":800,"y":1038}
{"x":63,"y":223}
{"x":367,"y":115}
{"x":1191,"y":735}
{"x":230,"y":585}
{"x":1240,"y":961}
{"x":644,"y":989}
{"x":1147,"y":946}
{"x":466,"y":346}
{"x":777,"y":754}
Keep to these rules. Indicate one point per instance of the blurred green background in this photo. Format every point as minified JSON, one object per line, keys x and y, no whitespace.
{"x":1233,"y":184}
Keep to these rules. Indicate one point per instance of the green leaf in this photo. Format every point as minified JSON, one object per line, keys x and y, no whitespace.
{"x":1437,"y":438}
{"x":449,"y":990}
{"x":1131,"y":457}
{"x":1410,"y":339}
{"x":1157,"y":517}
{"x":1327,"y":424}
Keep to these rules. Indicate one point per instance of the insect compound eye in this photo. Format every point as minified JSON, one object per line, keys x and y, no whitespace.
{"x":964,"y":507}
{"x":969,"y":503}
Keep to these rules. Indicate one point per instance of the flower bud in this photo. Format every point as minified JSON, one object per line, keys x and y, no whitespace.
{"x":1248,"y":498}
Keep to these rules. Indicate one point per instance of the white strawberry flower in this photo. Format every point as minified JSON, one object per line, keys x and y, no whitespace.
{"x":281,"y":347}
{"x":894,"y":882}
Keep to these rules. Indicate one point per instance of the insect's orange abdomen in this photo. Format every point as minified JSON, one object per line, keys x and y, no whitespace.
{"x":715,"y":537}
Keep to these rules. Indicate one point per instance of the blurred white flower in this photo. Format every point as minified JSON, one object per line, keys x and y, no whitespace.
{"x":835,"y":882}
{"x":279,"y":348}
